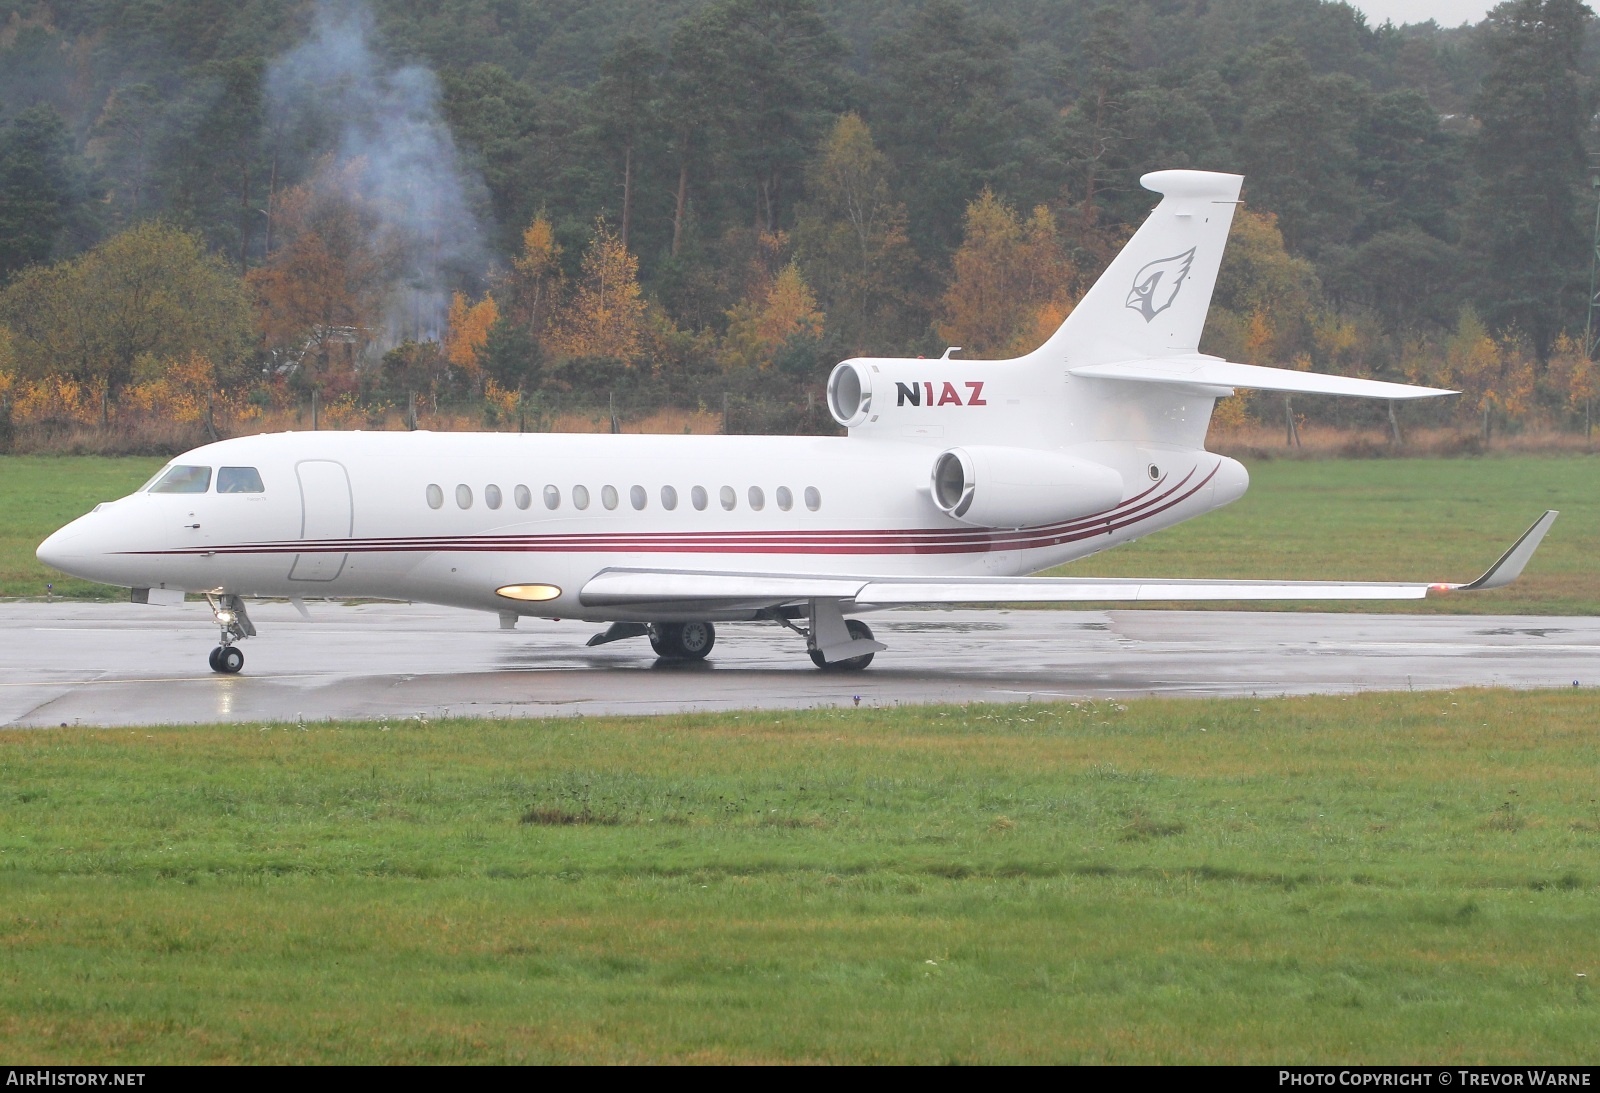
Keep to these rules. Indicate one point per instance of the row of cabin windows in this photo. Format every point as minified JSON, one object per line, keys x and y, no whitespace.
{"x":638,"y":497}
{"x":183,"y":479}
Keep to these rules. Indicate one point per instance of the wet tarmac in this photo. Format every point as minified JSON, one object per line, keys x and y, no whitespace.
{"x":124,"y":664}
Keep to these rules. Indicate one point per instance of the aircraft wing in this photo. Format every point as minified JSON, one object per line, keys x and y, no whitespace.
{"x":670,"y":589}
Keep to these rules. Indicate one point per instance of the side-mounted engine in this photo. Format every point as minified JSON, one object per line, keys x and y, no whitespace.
{"x":997,"y":487}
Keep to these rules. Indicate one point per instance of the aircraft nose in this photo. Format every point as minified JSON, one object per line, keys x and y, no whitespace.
{"x":63,"y":550}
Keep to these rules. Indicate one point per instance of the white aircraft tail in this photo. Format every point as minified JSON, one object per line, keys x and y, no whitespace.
{"x":1153,"y":298}
{"x":1125,"y":366}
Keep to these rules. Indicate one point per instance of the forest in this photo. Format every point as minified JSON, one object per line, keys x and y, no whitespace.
{"x":219,"y":217}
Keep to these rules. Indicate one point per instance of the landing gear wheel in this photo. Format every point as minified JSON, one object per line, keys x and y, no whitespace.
{"x":695,"y":640}
{"x":212,"y":659}
{"x":682,"y":640}
{"x":859,"y":631}
{"x":227,"y":659}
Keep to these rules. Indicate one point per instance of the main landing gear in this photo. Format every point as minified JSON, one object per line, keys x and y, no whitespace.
{"x":833,"y":642}
{"x":235,"y":624}
{"x":859,"y":631}
{"x":682,"y":640}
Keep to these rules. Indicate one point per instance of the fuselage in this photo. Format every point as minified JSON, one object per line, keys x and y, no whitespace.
{"x":449,"y":518}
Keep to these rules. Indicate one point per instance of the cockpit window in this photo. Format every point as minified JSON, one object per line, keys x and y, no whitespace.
{"x":239,"y":480}
{"x":183,"y":480}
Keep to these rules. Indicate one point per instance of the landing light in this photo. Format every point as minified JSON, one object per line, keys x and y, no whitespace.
{"x":534,"y":593}
{"x":226,"y":617}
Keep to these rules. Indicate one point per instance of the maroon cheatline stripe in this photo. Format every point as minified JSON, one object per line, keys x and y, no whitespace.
{"x":889,"y":541}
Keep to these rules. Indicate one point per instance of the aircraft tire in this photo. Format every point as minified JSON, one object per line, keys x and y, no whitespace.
{"x":683,"y":640}
{"x":859,"y":631}
{"x":661,"y":635}
{"x":212,"y":659}
{"x":695,"y":639}
{"x":229,"y":660}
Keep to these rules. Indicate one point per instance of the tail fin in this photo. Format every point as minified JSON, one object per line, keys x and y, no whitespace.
{"x":1152,"y":300}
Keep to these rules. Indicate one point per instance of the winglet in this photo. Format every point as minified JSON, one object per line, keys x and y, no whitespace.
{"x":1511,"y":563}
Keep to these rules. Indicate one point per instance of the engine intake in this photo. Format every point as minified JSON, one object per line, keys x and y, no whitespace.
{"x":995,"y":487}
{"x":850,"y":393}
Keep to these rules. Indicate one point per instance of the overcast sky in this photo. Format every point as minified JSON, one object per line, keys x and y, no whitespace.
{"x":1447,"y":13}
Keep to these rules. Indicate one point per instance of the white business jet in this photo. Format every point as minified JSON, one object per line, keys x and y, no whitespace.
{"x":957,"y":479}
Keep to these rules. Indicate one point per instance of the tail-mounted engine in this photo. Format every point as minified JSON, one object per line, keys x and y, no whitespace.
{"x":914,"y":392}
{"x":995,"y":487}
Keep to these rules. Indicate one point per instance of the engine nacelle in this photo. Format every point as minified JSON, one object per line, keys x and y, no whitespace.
{"x":996,"y":487}
{"x":905,"y":391}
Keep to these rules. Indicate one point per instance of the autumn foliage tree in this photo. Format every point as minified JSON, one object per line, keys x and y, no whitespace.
{"x":759,"y":328}
{"x":532,"y":289}
{"x":468,"y":333}
{"x":605,"y":315}
{"x":1012,"y":279}
{"x":1493,"y":376}
{"x":152,"y":290}
{"x":319,"y":298}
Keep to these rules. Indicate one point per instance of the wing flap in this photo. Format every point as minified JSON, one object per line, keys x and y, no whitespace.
{"x":1199,"y":371}
{"x":647,"y":587}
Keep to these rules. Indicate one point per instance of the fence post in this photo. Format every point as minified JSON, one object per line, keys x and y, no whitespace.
{"x":411,"y":411}
{"x":313,"y":409}
{"x":724,"y":413}
{"x":611,"y":403}
{"x":105,"y":405}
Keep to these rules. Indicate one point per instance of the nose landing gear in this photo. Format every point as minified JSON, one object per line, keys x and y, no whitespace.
{"x":227,"y":659}
{"x":235,"y":623}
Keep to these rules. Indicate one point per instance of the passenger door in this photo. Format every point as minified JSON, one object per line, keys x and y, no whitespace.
{"x":327,"y":514}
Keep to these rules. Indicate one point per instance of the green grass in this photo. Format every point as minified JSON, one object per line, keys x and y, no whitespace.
{"x":40,"y":493}
{"x":1391,"y":520}
{"x":1403,"y":519}
{"x":1405,"y":878}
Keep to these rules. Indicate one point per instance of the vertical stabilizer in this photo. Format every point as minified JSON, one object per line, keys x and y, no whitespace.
{"x":1152,"y":300}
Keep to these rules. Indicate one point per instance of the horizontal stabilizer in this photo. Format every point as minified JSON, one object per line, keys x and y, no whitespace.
{"x":1202,"y":371}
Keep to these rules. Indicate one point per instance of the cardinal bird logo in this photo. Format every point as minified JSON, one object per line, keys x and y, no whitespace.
{"x":1157,"y":284}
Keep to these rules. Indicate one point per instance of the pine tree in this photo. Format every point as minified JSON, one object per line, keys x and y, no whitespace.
{"x":1534,"y":108}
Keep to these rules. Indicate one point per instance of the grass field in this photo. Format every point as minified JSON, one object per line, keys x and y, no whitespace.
{"x":1402,"y":519}
{"x":1378,"y":878}
{"x":1391,"y":520}
{"x":40,"y":493}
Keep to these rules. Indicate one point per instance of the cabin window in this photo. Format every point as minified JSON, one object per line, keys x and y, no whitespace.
{"x":491,"y":496}
{"x":785,"y":498}
{"x":638,"y":497}
{"x":580,"y":497}
{"x":523,"y":496}
{"x":698,"y":498}
{"x":552,"y":498}
{"x":435,"y":496}
{"x":184,"y":480}
{"x":813,"y":498}
{"x":728,"y":498}
{"x":608,"y":496}
{"x":464,"y":496}
{"x":239,"y":480}
{"x":669,"y":498}
{"x":758,"y":499}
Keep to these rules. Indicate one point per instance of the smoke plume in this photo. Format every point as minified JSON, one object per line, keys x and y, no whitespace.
{"x":388,"y":141}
